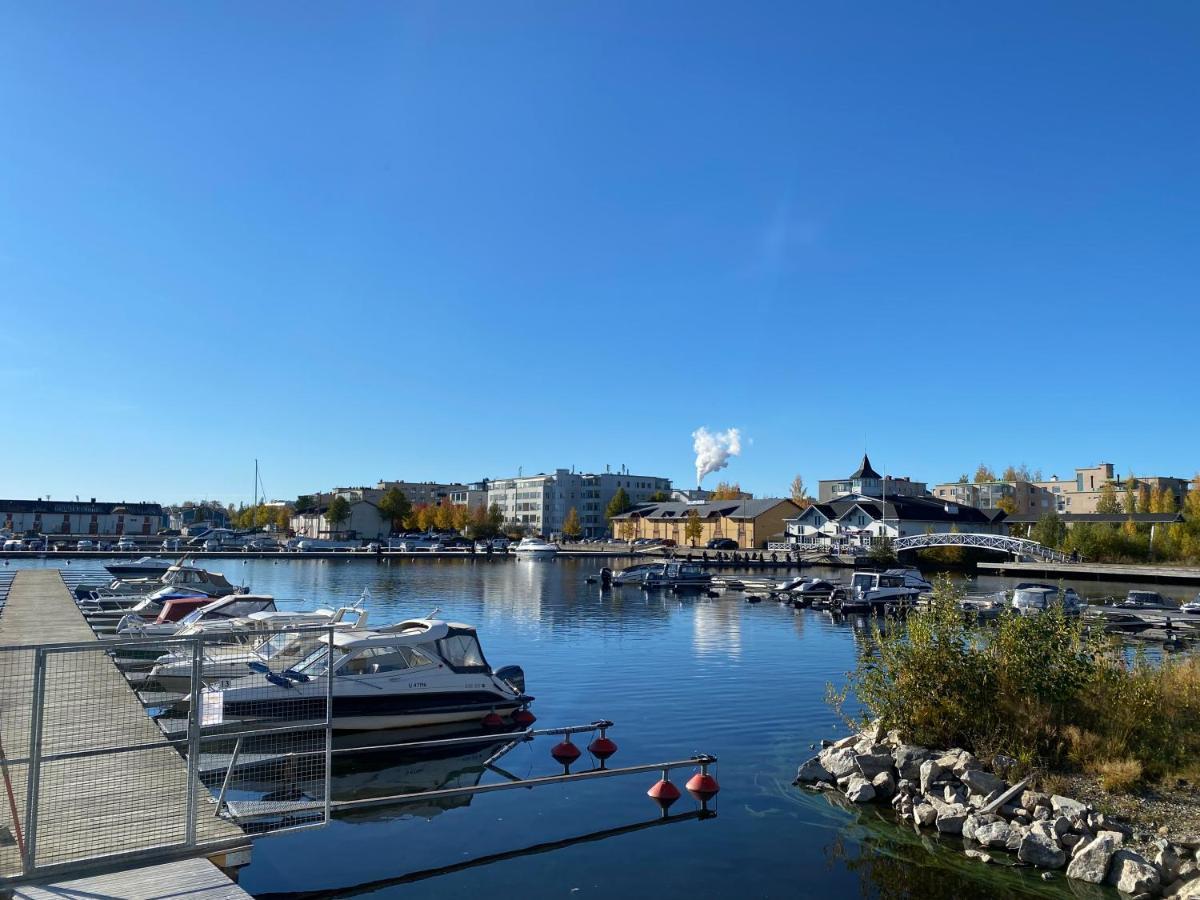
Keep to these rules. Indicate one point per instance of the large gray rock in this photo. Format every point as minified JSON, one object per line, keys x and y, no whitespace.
{"x":884,"y":784}
{"x":966,"y":762}
{"x":859,"y":790}
{"x":1016,"y":834}
{"x":875,"y":760}
{"x":993,"y":835}
{"x":1187,"y":890}
{"x":1040,"y":848}
{"x":1065,"y":806}
{"x":1167,"y":860}
{"x":925,"y":814}
{"x":811,"y":770}
{"x":981,"y":782}
{"x":907,"y":759}
{"x":1090,"y":862}
{"x":929,"y":772}
{"x":839,"y":762}
{"x":1031,"y":800}
{"x":1132,"y":873}
{"x":950,"y":818}
{"x":979,"y":855}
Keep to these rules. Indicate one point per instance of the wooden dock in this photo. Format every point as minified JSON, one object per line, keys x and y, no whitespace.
{"x":1095,"y":571}
{"x":189,"y":879}
{"x":101,"y":810}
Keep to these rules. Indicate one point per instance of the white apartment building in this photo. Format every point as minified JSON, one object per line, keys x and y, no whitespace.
{"x":542,"y":502}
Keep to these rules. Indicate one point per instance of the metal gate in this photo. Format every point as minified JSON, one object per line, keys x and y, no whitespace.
{"x":132,"y":749}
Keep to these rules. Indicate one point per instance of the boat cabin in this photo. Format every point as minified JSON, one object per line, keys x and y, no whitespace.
{"x":205,"y":609}
{"x":410,"y":645}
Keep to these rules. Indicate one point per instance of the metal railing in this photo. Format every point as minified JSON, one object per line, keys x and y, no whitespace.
{"x":103,"y":762}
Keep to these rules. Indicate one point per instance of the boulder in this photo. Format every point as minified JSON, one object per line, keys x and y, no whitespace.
{"x":1132,"y":873}
{"x":1003,"y":765}
{"x":929,"y":772}
{"x":842,"y":743}
{"x":1016,"y":834}
{"x":884,"y":784}
{"x":811,"y":770}
{"x":954,"y":793}
{"x":1090,"y":863}
{"x":859,"y":790}
{"x":966,"y":763}
{"x":925,"y":814}
{"x":1042,"y":814}
{"x":978,"y":854}
{"x":1031,"y":800}
{"x":1188,"y":869}
{"x":993,"y":835}
{"x":873,"y":733}
{"x":839,"y":762}
{"x":1167,"y":860}
{"x":1070,"y":840}
{"x":873,"y":761}
{"x":907,"y":759}
{"x":981,"y":782}
{"x":1061,"y":826}
{"x":950,"y":818}
{"x":1040,"y":848}
{"x":894,"y":738}
{"x":1188,"y":841}
{"x":1065,"y":806}
{"x":1187,"y":890}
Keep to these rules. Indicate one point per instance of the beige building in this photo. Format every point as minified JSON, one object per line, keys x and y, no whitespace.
{"x":749,"y":522}
{"x":1083,"y":493}
{"x":1027,"y":498}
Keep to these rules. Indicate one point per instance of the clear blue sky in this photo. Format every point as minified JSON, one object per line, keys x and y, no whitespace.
{"x":445,"y":240}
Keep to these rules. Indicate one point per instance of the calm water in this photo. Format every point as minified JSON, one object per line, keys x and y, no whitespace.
{"x":745,"y":682}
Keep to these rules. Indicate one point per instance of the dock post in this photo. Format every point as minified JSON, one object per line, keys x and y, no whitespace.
{"x":329,"y":726}
{"x":33,"y":773}
{"x":193,"y":739}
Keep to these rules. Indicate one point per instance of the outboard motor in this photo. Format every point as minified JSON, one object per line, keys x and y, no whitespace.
{"x":606,"y":577}
{"x":514,"y":675}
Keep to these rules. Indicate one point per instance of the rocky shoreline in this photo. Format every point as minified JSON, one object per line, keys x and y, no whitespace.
{"x":953,"y":792}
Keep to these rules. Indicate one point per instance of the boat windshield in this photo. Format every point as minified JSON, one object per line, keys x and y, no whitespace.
{"x":316,"y":662}
{"x":272,"y":646}
{"x":462,"y":651}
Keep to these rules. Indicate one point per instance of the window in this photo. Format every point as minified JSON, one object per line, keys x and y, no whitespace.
{"x":461,"y":651}
{"x":374,"y":660}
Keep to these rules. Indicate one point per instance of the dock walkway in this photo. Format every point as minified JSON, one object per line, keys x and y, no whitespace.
{"x":92,"y":809}
{"x":1096,"y":571}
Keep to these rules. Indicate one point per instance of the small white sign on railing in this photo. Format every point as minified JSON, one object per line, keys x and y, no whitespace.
{"x":212,"y":707}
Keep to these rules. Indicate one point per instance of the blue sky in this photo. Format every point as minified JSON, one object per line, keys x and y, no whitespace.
{"x":444,"y":241}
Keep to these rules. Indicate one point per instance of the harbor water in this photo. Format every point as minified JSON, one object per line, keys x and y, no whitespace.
{"x":678,"y":675}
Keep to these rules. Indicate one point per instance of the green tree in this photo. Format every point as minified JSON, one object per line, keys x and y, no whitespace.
{"x":1131,"y":504}
{"x":984,"y":473}
{"x":882,"y":552}
{"x":395,"y":507}
{"x":283,"y":518}
{"x":337,"y":513}
{"x":963,"y":479}
{"x":1108,"y":502}
{"x":304,"y":502}
{"x":618,"y":504}
{"x":693,"y":528}
{"x":571,"y":526}
{"x":726,"y":490}
{"x":1050,"y":530}
{"x":660,"y":497}
{"x":495,"y":518}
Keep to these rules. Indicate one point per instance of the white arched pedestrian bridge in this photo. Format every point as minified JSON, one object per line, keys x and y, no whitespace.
{"x":1002,"y":543}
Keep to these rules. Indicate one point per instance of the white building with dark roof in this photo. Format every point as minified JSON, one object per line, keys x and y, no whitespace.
{"x":857,"y":520}
{"x":867,"y":482}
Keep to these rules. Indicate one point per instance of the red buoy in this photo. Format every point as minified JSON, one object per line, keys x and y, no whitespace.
{"x":602,"y":747}
{"x":703,"y":786}
{"x":492,"y":720}
{"x":664,"y":793}
{"x":565,"y":752}
{"x":523,"y":717}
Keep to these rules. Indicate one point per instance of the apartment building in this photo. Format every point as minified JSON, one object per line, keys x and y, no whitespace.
{"x":1025,"y":498}
{"x":540,"y":503}
{"x":1082,"y":494}
{"x":80,"y":517}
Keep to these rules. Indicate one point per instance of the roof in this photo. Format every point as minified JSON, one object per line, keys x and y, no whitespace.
{"x":1068,"y":518}
{"x":402,"y":634}
{"x":865,"y":470}
{"x":727,"y":509}
{"x":76,"y":508}
{"x":913,"y":509}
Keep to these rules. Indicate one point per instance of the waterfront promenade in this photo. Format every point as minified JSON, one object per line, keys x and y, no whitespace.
{"x":1097,"y":571}
{"x":99,"y":808}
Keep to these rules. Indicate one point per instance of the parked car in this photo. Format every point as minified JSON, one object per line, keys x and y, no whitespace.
{"x":85,"y":545}
{"x":171,"y":544}
{"x":722,"y":544}
{"x":35,"y":544}
{"x":126,"y":544}
{"x":212,"y":545}
{"x":14,"y":544}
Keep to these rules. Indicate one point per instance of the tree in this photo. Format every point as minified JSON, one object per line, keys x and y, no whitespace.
{"x":283,"y":518}
{"x":426,"y":517}
{"x":395,"y":507}
{"x":882,"y":552}
{"x":495,"y":518}
{"x":1017,"y":473}
{"x":444,"y":515}
{"x":1008,"y":504}
{"x":337,"y":513}
{"x":963,"y":479}
{"x":984,"y":473}
{"x":727,"y":491}
{"x":627,"y":529}
{"x":305,"y":502}
{"x":800,"y":493}
{"x":1050,"y":530}
{"x":412,"y":522}
{"x":660,"y":497}
{"x":462,"y":517}
{"x":693,"y":528}
{"x":1108,"y":503}
{"x":571,"y":527}
{"x":618,"y":504}
{"x":1131,"y":498}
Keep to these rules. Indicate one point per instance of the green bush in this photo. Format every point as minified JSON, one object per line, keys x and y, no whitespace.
{"x":1044,"y":689}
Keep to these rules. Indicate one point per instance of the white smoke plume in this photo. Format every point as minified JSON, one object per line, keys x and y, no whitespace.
{"x":713,"y":450}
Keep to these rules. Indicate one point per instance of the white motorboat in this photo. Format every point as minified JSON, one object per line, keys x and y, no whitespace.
{"x":418,"y":672}
{"x":535,"y":548}
{"x":1031,"y":599}
{"x":912,"y":578}
{"x":877,"y":592}
{"x":273,"y":637}
{"x":235,"y":606}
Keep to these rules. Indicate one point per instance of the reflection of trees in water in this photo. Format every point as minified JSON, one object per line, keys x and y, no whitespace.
{"x":896,"y":862}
